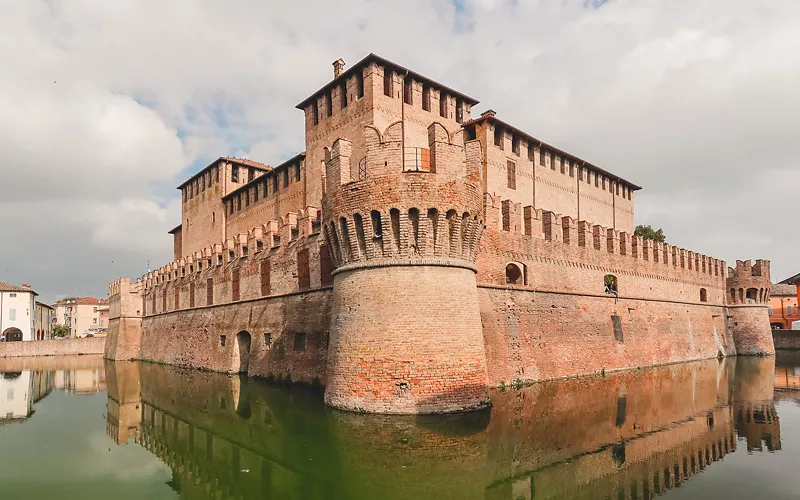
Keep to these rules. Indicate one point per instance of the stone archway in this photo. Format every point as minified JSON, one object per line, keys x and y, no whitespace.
{"x":242,"y":355}
{"x":13,"y":334}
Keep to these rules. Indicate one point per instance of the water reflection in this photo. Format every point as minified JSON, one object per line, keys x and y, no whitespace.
{"x":629,"y":435}
{"x":25,"y":381}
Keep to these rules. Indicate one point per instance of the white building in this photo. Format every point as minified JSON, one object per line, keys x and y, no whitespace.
{"x":17,"y":312}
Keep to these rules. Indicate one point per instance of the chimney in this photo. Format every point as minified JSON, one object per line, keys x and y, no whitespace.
{"x":25,"y":285}
{"x":338,"y":67}
{"x":488,"y":113}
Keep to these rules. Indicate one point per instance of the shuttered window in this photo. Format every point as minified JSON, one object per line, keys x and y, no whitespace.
{"x":235,"y":284}
{"x":325,"y":266}
{"x":191,"y":294}
{"x":177,"y":298}
{"x":303,"y":277}
{"x":265,"y":272}
{"x":164,"y":301}
{"x":512,"y":175}
{"x":209,"y":291}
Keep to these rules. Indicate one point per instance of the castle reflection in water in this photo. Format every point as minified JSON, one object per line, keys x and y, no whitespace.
{"x":627,"y":435}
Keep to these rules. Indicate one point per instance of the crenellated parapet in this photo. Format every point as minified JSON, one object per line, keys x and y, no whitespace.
{"x":749,"y":283}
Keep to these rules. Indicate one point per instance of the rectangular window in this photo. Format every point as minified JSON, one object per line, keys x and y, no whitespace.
{"x":459,"y":110}
{"x":210,"y":291}
{"x":94,"y":321}
{"x":572,"y":170}
{"x":234,"y":174}
{"x":616,"y":323}
{"x":299,"y":341}
{"x":343,"y":94}
{"x":561,"y":164}
{"x":515,"y":144}
{"x":426,"y":97}
{"x":315,"y":112}
{"x":329,"y":103}
{"x":325,"y":266}
{"x":255,"y":194}
{"x":297,"y":171}
{"x":498,"y":136}
{"x":512,"y":175}
{"x":531,"y":151}
{"x":246,"y":196}
{"x":442,"y":104}
{"x":222,"y":340}
{"x":177,"y":293}
{"x":265,"y":278}
{"x":286,"y":178}
{"x":95,"y":310}
{"x":360,"y":84}
{"x":12,"y":314}
{"x":164,"y":301}
{"x":235,"y":285}
{"x":408,"y":90}
{"x":251,"y":174}
{"x":542,"y":160}
{"x":303,"y":276}
{"x":387,"y":82}
{"x":191,"y":294}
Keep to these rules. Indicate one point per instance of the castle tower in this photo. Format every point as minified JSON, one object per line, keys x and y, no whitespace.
{"x":406,"y":333}
{"x":125,"y":311}
{"x":748,"y":288}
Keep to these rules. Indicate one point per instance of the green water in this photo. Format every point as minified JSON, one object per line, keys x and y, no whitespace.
{"x":89,"y":429}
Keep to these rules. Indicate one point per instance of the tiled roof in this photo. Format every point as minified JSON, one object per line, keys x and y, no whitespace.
{"x":8,"y":287}
{"x":84,"y":301}
{"x":794,"y":280}
{"x":783,"y":290}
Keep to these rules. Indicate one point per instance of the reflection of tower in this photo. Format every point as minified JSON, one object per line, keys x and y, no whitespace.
{"x":124,"y":401}
{"x":758,"y":423}
{"x":406,"y":332}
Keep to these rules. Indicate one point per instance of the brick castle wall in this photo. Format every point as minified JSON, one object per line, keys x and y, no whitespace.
{"x":62,"y":347}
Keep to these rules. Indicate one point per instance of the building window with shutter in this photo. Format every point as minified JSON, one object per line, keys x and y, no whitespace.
{"x":265,"y":278}
{"x":191,"y":294}
{"x":303,"y":276}
{"x":325,"y":266}
{"x":235,"y":284}
{"x":209,"y":291}
{"x":512,"y":175}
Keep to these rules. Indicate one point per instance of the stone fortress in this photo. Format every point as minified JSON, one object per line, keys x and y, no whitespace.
{"x":412,"y":257}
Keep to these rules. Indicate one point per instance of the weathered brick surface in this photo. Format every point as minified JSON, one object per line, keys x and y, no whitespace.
{"x":786,"y":339}
{"x":63,"y":347}
{"x":418,"y":213}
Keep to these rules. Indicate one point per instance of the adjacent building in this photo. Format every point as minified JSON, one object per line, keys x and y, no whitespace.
{"x":783,"y":308}
{"x":43,"y":321}
{"x":17,"y":307}
{"x":83,"y":316}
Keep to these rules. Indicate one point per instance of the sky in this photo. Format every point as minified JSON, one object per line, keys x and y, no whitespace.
{"x":105,"y":107}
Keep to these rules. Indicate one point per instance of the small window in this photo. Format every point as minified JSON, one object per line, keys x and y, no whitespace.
{"x":515,"y":144}
{"x":286,"y":178}
{"x":789,"y":310}
{"x":299,"y":341}
{"x":343,"y":94}
{"x":512,"y":175}
{"x":426,"y":97}
{"x":542,"y":154}
{"x":267,"y":341}
{"x":459,"y":110}
{"x":12,"y":314}
{"x":315,"y":112}
{"x":514,"y":275}
{"x":442,"y":104}
{"x":703,"y":295}
{"x":498,"y":136}
{"x":222,"y":340}
{"x":360,"y":84}
{"x":329,"y":103}
{"x":610,"y":284}
{"x":408,"y":90}
{"x":469,"y":133}
{"x":387,"y":82}
{"x":297,"y":171}
{"x":234,"y":173}
{"x":769,"y":310}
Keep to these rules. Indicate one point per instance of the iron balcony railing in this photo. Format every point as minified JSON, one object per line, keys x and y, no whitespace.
{"x":362,"y":170}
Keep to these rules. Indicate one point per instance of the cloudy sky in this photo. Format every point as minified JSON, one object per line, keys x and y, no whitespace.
{"x":105,"y":107}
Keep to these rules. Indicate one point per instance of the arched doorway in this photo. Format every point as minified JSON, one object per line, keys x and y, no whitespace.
{"x":243,"y":341}
{"x":13,"y":335}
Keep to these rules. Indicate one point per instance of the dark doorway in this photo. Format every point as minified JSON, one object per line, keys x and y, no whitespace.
{"x":243,"y":342}
{"x":13,"y":335}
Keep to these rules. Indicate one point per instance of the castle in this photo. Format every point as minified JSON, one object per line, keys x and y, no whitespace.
{"x":413,"y":256}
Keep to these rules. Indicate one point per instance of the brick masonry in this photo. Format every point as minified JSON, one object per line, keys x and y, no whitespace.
{"x":62,"y":347}
{"x":408,"y":266}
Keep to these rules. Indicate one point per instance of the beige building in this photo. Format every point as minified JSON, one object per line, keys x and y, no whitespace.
{"x":83,"y":316}
{"x":44,"y":318}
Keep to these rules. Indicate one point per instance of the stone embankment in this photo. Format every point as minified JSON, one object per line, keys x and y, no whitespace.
{"x":786,"y":339}
{"x":64,"y":347}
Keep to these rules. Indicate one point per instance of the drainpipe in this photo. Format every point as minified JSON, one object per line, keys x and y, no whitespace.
{"x":403,"y":121}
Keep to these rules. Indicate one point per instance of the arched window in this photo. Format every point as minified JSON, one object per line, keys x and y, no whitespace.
{"x":703,"y":295}
{"x":515,"y":274}
{"x":752,"y":295}
{"x":610,"y":284}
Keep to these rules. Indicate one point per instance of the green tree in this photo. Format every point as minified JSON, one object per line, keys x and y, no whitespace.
{"x":60,"y":331}
{"x":649,"y":233}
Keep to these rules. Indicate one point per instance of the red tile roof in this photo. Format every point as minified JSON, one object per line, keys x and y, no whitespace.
{"x":8,"y":287}
{"x":89,"y":301}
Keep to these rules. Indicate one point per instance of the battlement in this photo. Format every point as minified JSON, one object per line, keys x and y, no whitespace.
{"x":512,"y":218}
{"x":749,"y":283}
{"x":744,"y":268}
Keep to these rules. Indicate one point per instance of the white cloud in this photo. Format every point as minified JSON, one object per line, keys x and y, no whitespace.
{"x":696,"y":101}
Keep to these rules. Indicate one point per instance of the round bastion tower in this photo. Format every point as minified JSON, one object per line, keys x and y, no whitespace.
{"x":403,"y":231}
{"x":748,"y":299}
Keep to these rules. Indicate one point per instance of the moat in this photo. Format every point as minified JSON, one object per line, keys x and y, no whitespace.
{"x":87,"y":428}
